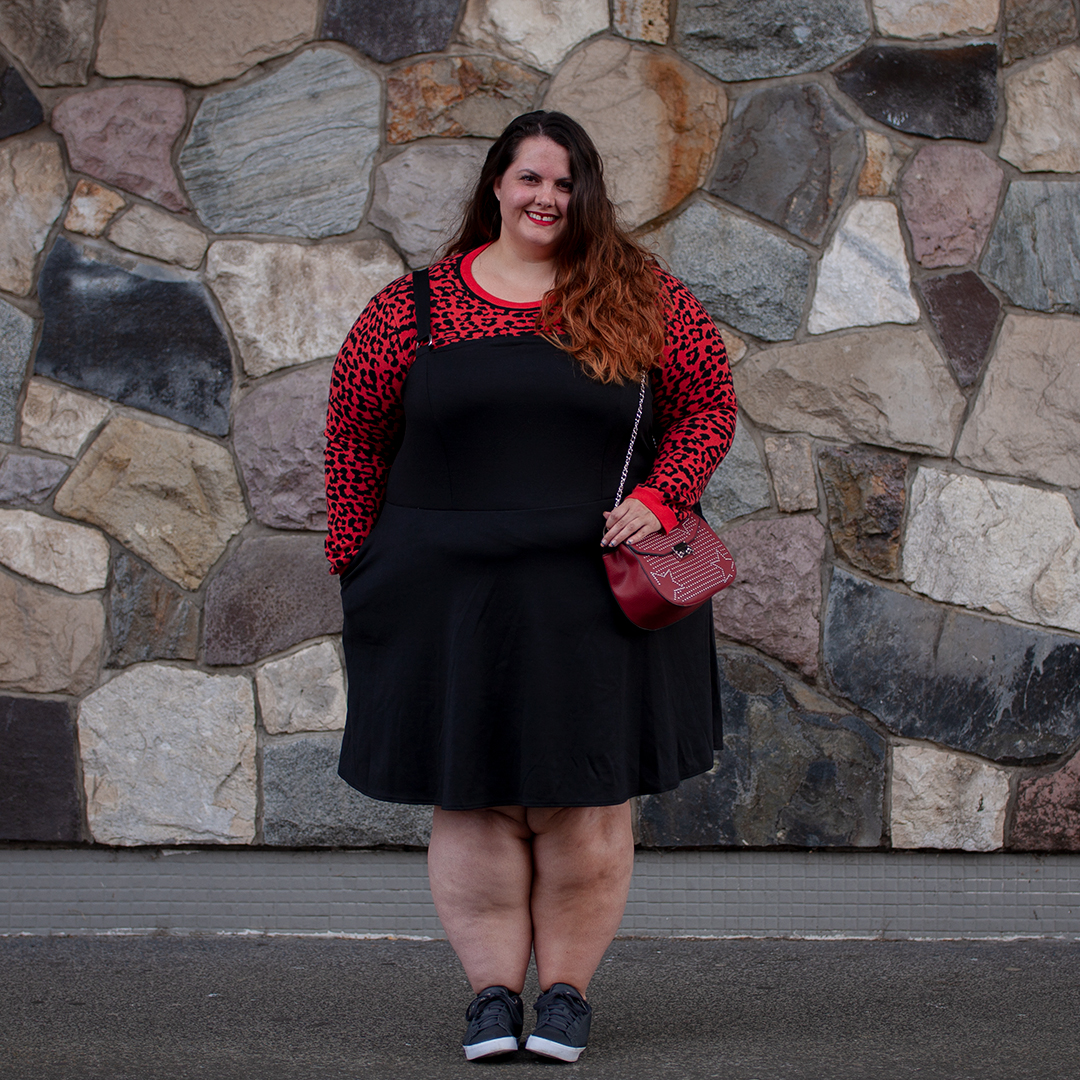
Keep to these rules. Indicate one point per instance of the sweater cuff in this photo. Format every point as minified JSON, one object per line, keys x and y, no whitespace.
{"x":653,"y":500}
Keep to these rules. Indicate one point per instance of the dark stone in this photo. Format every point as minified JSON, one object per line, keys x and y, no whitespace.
{"x":19,"y":109}
{"x":306,"y":803}
{"x":796,"y":769}
{"x":272,"y":592}
{"x":1034,"y":251}
{"x":26,"y":478}
{"x":137,"y":334}
{"x":40,"y":796}
{"x":864,"y":491}
{"x":1037,"y":26}
{"x":788,"y":156}
{"x":388,"y":32}
{"x":926,"y":671}
{"x":735,"y":40}
{"x":964,"y":313}
{"x":943,"y":93}
{"x":149,"y":617}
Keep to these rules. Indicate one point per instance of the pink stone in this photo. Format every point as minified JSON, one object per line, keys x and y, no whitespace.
{"x":124,"y":136}
{"x":1048,"y":811}
{"x":775,"y":601}
{"x":950,"y":194}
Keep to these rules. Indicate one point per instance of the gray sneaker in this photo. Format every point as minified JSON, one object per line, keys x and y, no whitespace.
{"x":495,"y":1018}
{"x":562,"y":1024}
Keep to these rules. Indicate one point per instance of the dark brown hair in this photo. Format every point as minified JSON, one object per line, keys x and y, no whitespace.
{"x":606,"y":297}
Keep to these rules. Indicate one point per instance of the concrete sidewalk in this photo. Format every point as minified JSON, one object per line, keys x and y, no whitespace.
{"x":279,"y":1008}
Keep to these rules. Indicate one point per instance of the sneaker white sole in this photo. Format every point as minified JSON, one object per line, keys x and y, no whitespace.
{"x":559,"y":1051}
{"x":506,"y":1045}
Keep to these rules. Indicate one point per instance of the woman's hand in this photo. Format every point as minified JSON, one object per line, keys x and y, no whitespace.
{"x":630,"y":520}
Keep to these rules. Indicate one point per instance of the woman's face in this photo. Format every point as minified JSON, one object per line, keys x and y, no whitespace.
{"x":533,"y":196}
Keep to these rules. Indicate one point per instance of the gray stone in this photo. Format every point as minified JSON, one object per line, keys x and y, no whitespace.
{"x":50,"y":643}
{"x":789,"y":156}
{"x":980,"y":685}
{"x":737,"y":41}
{"x":775,"y":601}
{"x":40,"y":797}
{"x":939,"y":799}
{"x":863,"y":277}
{"x":1010,"y":549}
{"x":71,"y":557}
{"x":889,"y":387}
{"x":420,"y":192}
{"x":169,"y":758}
{"x":792,"y":466}
{"x":305,"y":803}
{"x":137,"y":333}
{"x":57,"y":420}
{"x":33,"y":190}
{"x":151,"y":232}
{"x":53,"y":38}
{"x":149,"y":617}
{"x":740,"y":484}
{"x":16,"y":339}
{"x":278,"y":435}
{"x":28,"y":478}
{"x":387,"y":32}
{"x":272,"y":593}
{"x":797,"y":770}
{"x":539,"y":35}
{"x":1035,"y":26}
{"x":290,"y":153}
{"x":1034,"y":251}
{"x":304,"y":691}
{"x":743,"y":274}
{"x":288,"y":304}
{"x":1025,"y":421}
{"x":19,"y":110}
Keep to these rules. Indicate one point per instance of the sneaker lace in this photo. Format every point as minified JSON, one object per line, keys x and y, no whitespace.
{"x":488,"y":1010}
{"x":561,"y":1011}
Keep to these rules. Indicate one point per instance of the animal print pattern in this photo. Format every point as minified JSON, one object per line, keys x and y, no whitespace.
{"x":694,"y":404}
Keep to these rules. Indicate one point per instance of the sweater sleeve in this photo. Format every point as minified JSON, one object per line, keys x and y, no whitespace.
{"x":694,"y":407}
{"x":364,"y":417}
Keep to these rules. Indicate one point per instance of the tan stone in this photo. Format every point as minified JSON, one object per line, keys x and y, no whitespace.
{"x":1010,"y":549}
{"x":889,"y":387}
{"x":71,"y":557}
{"x":58,"y":420}
{"x":92,"y":208}
{"x":642,"y":20}
{"x":303,"y":692}
{"x":792,"y":466}
{"x":884,"y":160}
{"x":1026,"y":419}
{"x":200,"y":41}
{"x":169,"y":758}
{"x":655,"y":119}
{"x":734,"y":345}
{"x":49,"y":644}
{"x":288,"y":304}
{"x":945,"y":800}
{"x":33,"y":190}
{"x":53,"y":38}
{"x":538,"y":34}
{"x":1042,"y":123}
{"x":454,"y":96}
{"x":935,"y":18}
{"x":159,"y":235}
{"x":172,"y":497}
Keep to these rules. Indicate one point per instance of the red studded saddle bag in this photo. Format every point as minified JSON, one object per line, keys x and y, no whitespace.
{"x":666,"y":576}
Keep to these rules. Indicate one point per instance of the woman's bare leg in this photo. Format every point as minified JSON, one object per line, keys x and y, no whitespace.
{"x":582,"y":858}
{"x":480,"y":868}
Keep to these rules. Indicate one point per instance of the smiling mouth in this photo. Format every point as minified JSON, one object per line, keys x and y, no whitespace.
{"x":541,"y":219}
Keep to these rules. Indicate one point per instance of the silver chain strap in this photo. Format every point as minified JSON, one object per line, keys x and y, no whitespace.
{"x":633,"y":439}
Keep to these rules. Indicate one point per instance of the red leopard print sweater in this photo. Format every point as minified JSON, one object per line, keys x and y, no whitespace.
{"x":693,"y":400}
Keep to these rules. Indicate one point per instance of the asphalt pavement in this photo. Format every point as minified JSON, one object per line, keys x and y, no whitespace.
{"x":287,"y":1008}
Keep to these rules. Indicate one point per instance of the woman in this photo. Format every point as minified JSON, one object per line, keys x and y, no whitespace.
{"x":480,"y":417}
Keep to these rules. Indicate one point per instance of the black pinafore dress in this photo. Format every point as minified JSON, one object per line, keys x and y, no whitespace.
{"x":488,"y":663}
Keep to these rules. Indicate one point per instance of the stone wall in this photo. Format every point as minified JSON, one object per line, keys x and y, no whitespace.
{"x":878,"y":202}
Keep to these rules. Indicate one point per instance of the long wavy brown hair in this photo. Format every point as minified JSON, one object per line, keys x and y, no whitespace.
{"x":606,"y":297}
